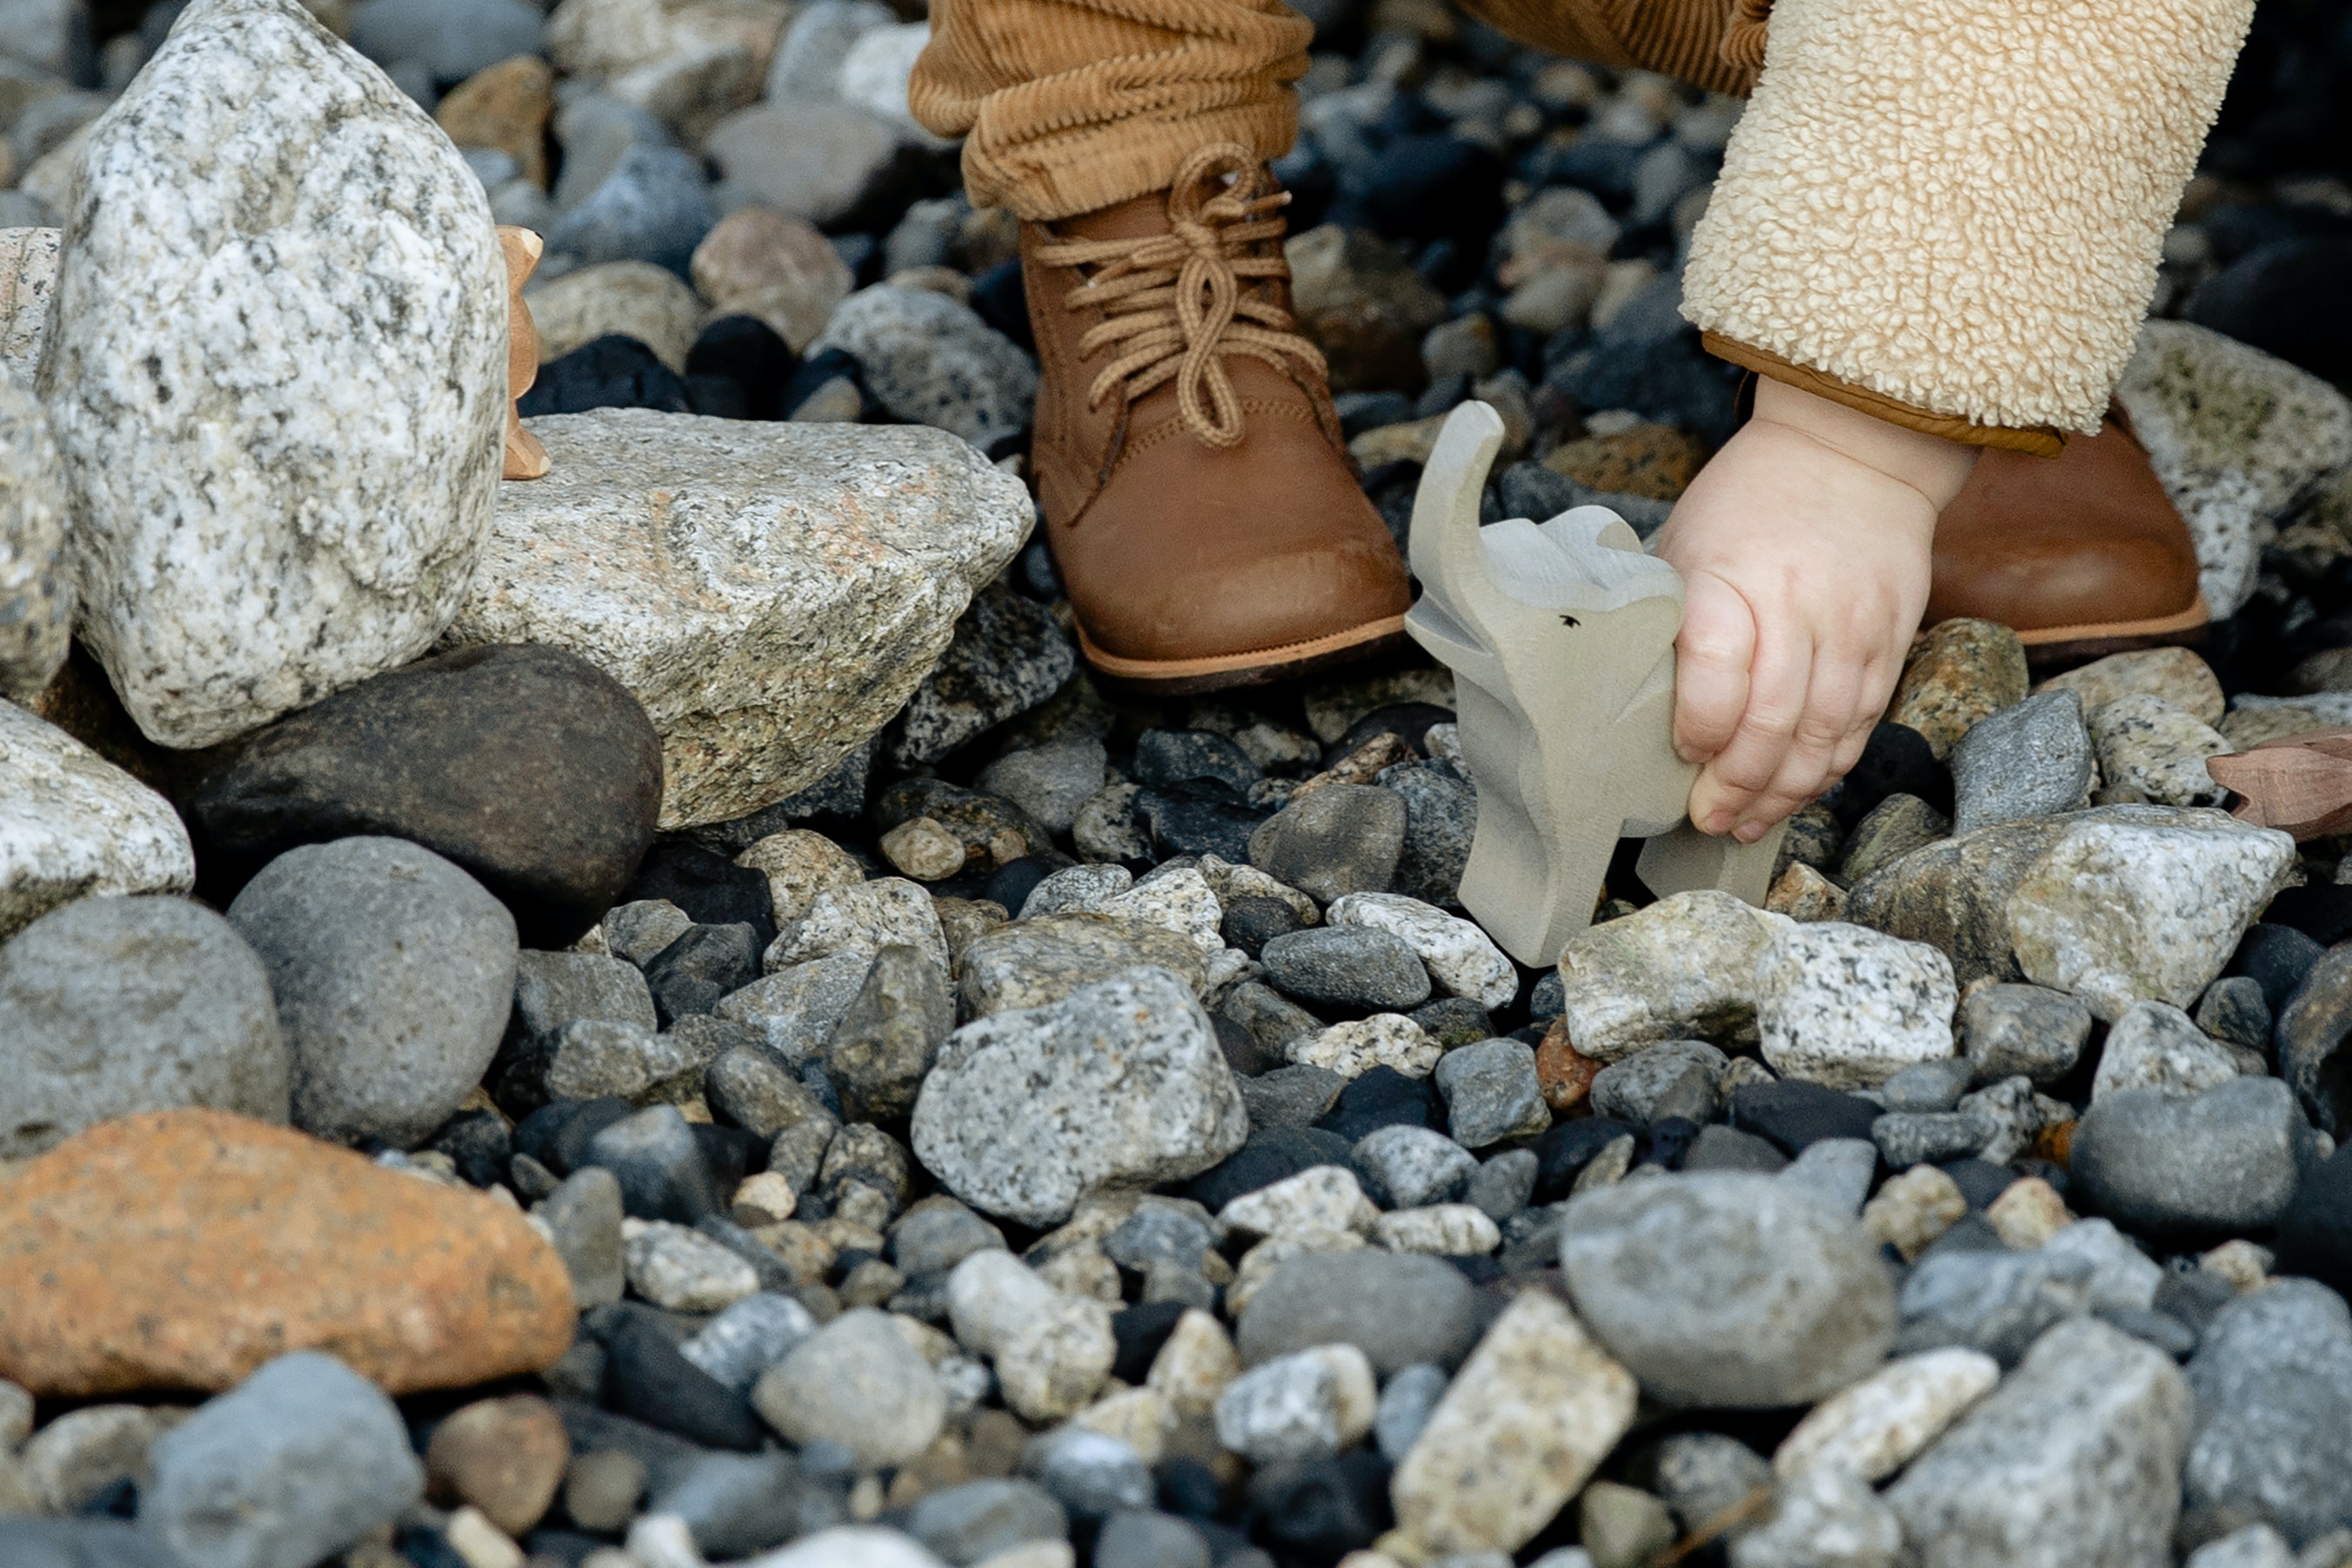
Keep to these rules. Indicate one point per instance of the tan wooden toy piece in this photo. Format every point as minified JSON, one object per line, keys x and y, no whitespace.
{"x":525,"y":457}
{"x":1561,"y":640}
{"x":2300,"y":783}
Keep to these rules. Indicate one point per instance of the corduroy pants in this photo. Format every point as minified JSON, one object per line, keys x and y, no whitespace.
{"x":1070,"y":105}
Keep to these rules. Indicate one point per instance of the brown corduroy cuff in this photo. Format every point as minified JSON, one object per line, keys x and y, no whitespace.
{"x":2042,"y":441}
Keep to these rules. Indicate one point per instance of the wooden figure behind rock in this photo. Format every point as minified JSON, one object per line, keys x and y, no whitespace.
{"x":525,"y":457}
{"x":1561,"y":640}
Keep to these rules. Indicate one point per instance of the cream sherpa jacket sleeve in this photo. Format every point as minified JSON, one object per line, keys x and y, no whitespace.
{"x":1948,"y":212}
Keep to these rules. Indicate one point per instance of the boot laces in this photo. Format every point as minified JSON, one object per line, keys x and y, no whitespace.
{"x":1175,"y":306}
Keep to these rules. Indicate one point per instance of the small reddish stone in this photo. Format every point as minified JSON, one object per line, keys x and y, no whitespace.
{"x":506,"y":1456}
{"x":2057,"y":1144}
{"x":183,"y":1248}
{"x":1563,"y":1073}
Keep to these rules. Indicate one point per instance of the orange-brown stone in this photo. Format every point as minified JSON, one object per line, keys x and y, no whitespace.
{"x":505,"y":107}
{"x":183,"y":1248}
{"x":2056,"y":1143}
{"x":1563,"y":1073}
{"x":1653,"y":460}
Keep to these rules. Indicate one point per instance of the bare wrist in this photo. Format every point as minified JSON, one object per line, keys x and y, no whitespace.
{"x":1930,"y":465}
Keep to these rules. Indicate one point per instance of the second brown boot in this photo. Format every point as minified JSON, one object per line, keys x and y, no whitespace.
{"x":2081,"y":555}
{"x":1199,"y":500}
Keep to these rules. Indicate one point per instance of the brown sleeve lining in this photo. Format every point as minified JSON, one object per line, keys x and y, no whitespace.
{"x":2041,"y":441}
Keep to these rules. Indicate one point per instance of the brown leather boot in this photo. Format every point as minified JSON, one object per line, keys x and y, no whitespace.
{"x":2082,"y":555}
{"x":1199,"y":500}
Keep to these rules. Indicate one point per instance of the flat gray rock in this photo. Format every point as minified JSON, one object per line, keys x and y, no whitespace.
{"x":395,"y":973}
{"x":2272,"y":1378}
{"x":279,"y":363}
{"x":2073,"y":1461}
{"x":73,"y":825}
{"x":2223,"y":1161}
{"x":1400,"y":1309}
{"x":291,"y":1466}
{"x":2031,"y":760}
{"x":793,"y":587}
{"x":1120,"y":1083}
{"x":1727,"y":1291}
{"x":113,"y":1006}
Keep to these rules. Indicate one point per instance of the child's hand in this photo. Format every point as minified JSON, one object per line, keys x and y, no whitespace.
{"x":1805,"y":547}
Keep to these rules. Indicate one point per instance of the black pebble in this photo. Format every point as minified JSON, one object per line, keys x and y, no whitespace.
{"x":662,"y":1172}
{"x":478,"y":1142}
{"x":1979,"y":1181}
{"x":2323,"y":912}
{"x":557,"y":1133}
{"x":1271,"y":1154}
{"x":1897,"y":761}
{"x":1409,"y":722}
{"x":1665,"y":1143}
{"x":1012,"y":883}
{"x":1794,"y":1114}
{"x":611,"y":371}
{"x":833,"y":365}
{"x":731,"y":1152}
{"x":1199,"y":817}
{"x":1002,"y":301}
{"x":1252,"y":922}
{"x":1189,"y":1488}
{"x":746,"y":352}
{"x":646,"y":1378}
{"x":1139,"y":1332}
{"x":1423,"y":187}
{"x":711,"y":889}
{"x":1316,"y":1511}
{"x":703,"y":965}
{"x":1164,"y":756}
{"x":1382,"y":1097}
{"x":2275,"y":958}
{"x":1562,"y":1153}
{"x":2314,"y":1236}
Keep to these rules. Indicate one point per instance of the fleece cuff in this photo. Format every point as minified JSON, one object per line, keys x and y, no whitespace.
{"x":1958,"y":205}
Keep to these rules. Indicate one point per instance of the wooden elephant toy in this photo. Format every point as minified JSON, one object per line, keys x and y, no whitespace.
{"x":1560,"y":636}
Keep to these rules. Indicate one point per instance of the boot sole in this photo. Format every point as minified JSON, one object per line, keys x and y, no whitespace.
{"x":1195,"y":677}
{"x":2096,"y":639}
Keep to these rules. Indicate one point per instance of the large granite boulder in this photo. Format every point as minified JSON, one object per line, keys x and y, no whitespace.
{"x":277,"y":370}
{"x":773,"y":593}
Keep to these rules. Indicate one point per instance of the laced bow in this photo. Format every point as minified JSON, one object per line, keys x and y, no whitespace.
{"x":1174,"y":305}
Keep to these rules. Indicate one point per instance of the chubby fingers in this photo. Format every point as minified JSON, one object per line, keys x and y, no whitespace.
{"x":1712,"y":654}
{"x":1813,"y":759}
{"x":1778,"y":679}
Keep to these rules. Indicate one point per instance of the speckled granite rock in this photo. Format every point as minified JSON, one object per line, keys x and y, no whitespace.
{"x":36,"y":592}
{"x":1120,"y":1083}
{"x":278,"y":362}
{"x":28,"y":277}
{"x":798,"y":582}
{"x":2140,"y":901}
{"x":2237,"y":436}
{"x":2073,"y":1462}
{"x":1959,"y":671}
{"x":1684,"y":967}
{"x":73,"y":824}
{"x":931,"y":358}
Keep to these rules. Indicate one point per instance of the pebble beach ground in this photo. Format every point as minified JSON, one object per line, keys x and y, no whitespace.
{"x":658,"y":1017}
